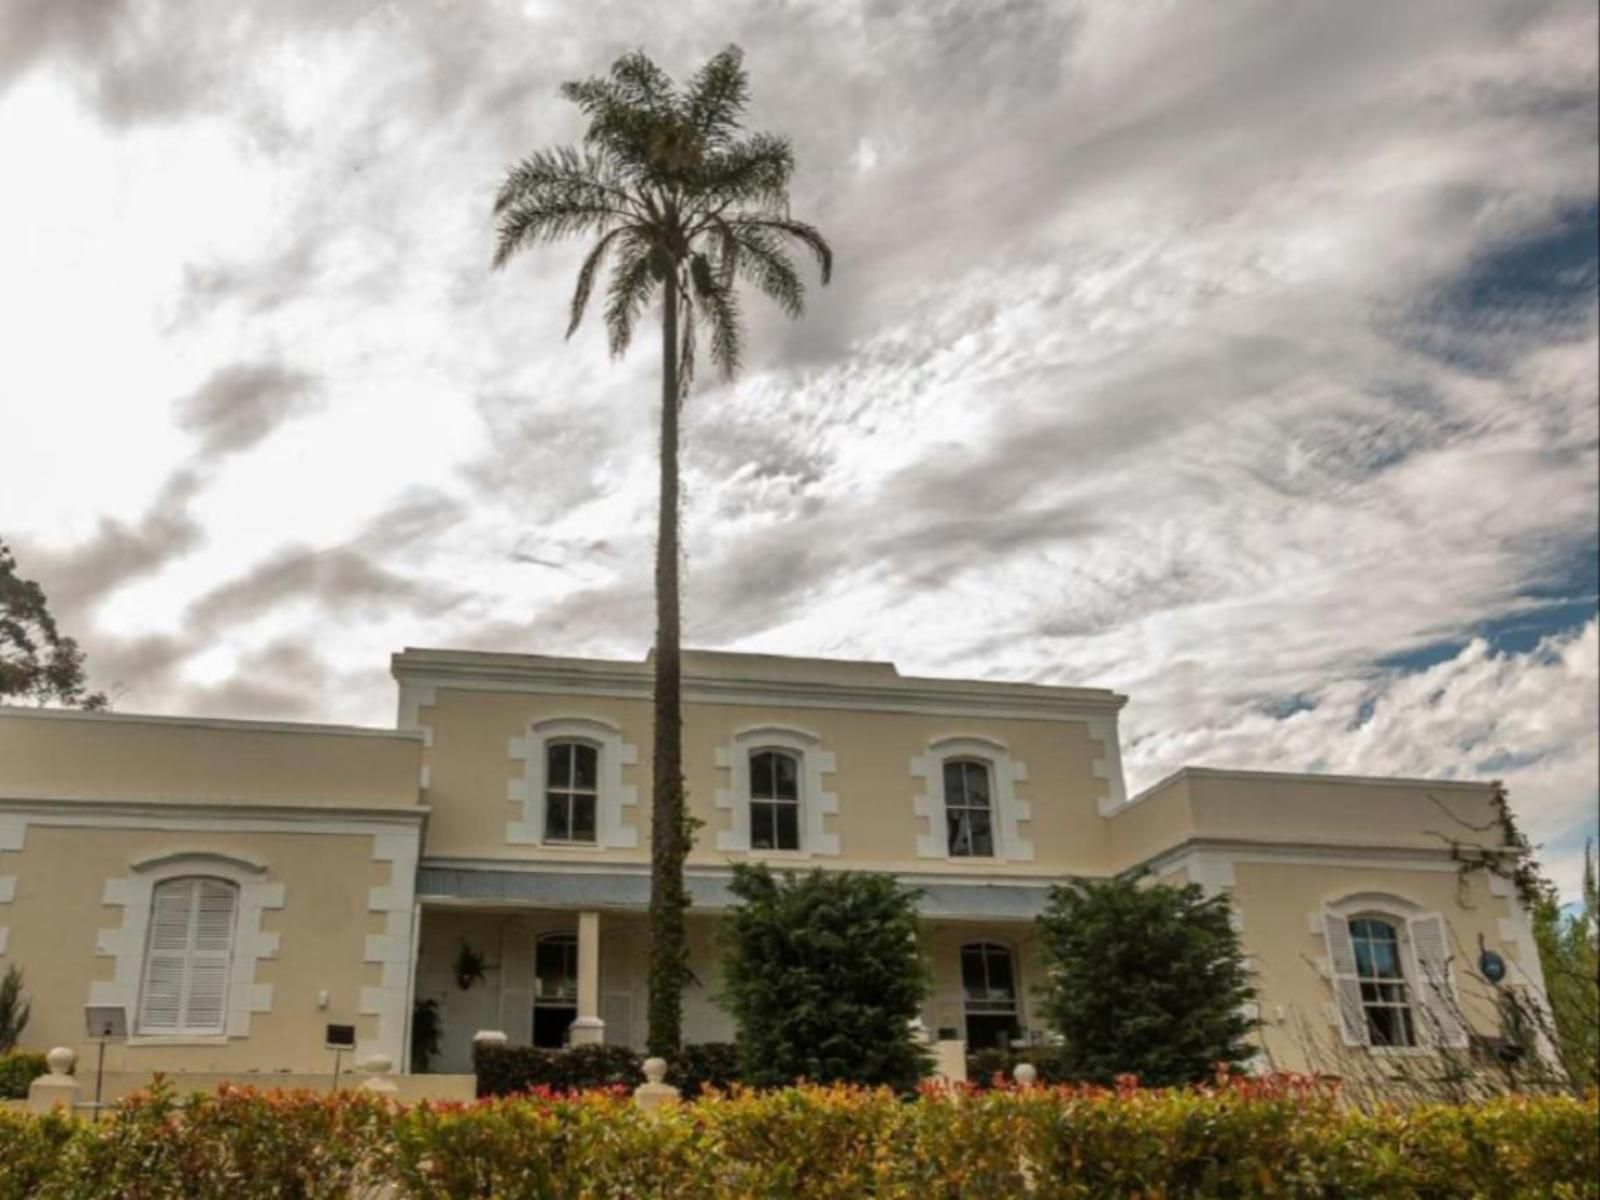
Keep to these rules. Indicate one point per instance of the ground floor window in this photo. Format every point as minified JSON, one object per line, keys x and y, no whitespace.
{"x":989,"y":988}
{"x":1385,"y":998}
{"x":555,"y":988}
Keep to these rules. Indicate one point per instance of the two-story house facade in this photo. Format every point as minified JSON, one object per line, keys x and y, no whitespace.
{"x":236,"y":886}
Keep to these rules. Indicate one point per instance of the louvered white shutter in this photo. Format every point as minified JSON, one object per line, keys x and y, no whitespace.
{"x":1345,"y":981}
{"x":207,"y":1002}
{"x":185,"y":986}
{"x":161,"y":1002}
{"x":1439,"y":1017}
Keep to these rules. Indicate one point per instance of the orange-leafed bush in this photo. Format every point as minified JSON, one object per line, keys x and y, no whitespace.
{"x":1275,"y":1138}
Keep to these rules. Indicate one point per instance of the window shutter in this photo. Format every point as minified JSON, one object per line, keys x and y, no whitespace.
{"x":1346,"y":984}
{"x":1440,"y":1022}
{"x":208,"y":963}
{"x":161,"y":1005}
{"x":186,"y":962}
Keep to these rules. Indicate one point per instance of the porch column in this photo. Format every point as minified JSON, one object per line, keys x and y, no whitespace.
{"x":588,"y":1029}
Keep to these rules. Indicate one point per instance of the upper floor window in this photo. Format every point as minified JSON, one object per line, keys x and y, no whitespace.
{"x":572,"y":778}
{"x":1385,"y":993}
{"x":774,"y":800}
{"x":184,"y":988}
{"x":989,"y":989}
{"x":968,"y":808}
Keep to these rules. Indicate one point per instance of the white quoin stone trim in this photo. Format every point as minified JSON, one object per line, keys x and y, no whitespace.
{"x":393,"y":950}
{"x":13,"y":833}
{"x":251,"y":944}
{"x":414,"y":697}
{"x":1005,"y":773}
{"x":1107,"y":765}
{"x":526,"y":794}
{"x":816,"y":802}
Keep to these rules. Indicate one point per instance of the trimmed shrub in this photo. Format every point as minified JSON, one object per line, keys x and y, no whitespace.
{"x":702,"y":1066}
{"x":1144,"y":979}
{"x":987,"y":1068}
{"x":506,"y":1070}
{"x":17,"y":1071}
{"x":1278,"y":1139}
{"x":822,"y":975}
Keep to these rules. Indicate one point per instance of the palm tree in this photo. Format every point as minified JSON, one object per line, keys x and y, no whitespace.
{"x":684,"y":203}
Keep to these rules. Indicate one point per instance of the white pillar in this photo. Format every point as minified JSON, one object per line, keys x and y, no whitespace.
{"x":588,"y":1029}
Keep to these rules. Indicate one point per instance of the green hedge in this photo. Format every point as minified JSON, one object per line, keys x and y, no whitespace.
{"x":1274,"y":1140}
{"x":507,"y":1070}
{"x":17,"y":1070}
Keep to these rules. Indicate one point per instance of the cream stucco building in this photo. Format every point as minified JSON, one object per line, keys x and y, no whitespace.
{"x":236,"y":886}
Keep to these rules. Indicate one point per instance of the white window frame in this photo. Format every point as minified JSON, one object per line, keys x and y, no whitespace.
{"x":571,"y":791}
{"x":191,"y":957}
{"x":1009,"y":810}
{"x":816,"y":801}
{"x":127,"y":944}
{"x":778,"y":803}
{"x":527,"y":793}
{"x":1425,"y":960}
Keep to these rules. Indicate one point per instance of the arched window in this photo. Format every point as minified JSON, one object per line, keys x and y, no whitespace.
{"x":989,"y":990}
{"x":188,"y":952}
{"x":555,"y":983}
{"x":968,"y":808}
{"x":1385,"y":993}
{"x":572,"y":789}
{"x":774,"y":800}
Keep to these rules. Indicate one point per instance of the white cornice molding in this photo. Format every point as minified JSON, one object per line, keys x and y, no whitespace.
{"x":1453,"y":785}
{"x":149,"y":809}
{"x":1300,"y":853}
{"x":13,"y":712}
{"x":624,"y":680}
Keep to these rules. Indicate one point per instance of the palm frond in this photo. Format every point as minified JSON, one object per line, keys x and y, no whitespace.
{"x":567,"y":174}
{"x":763,"y":262}
{"x":808,"y":236}
{"x":717,"y":95}
{"x":632,"y":281}
{"x":721,"y":307}
{"x":592,"y":263}
{"x":532,"y":221}
{"x":755,"y":172}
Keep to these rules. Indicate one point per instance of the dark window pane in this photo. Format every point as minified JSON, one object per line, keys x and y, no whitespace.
{"x":557,"y":819}
{"x":583,"y":818}
{"x":955,"y":791}
{"x":977,"y":776}
{"x":786,"y":777}
{"x":1000,"y":985}
{"x":761,"y":826}
{"x":956,"y":831}
{"x":788,"y":826}
{"x":585,"y":767}
{"x":761,"y":775}
{"x":555,"y":964}
{"x":982,"y":837}
{"x":974,"y":980}
{"x":558,"y":759}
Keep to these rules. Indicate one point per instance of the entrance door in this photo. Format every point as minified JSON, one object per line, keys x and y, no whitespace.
{"x":989,"y":988}
{"x":555,"y":988}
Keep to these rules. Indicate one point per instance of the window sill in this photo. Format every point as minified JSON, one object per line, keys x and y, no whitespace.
{"x":586,"y":847}
{"x":1401,"y":1051}
{"x":178,"y":1039}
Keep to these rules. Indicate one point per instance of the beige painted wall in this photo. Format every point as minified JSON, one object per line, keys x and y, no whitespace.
{"x":56,"y":917}
{"x":1279,"y":902}
{"x":48,"y":753}
{"x":1265,"y":807}
{"x":470,"y":767}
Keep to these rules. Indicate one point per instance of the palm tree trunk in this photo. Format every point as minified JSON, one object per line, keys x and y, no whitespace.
{"x":669,"y":833}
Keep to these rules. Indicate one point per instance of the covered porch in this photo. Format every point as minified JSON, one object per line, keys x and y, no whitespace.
{"x":561,"y":958}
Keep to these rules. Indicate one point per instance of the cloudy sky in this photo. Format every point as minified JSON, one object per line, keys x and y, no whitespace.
{"x":1240,"y":356}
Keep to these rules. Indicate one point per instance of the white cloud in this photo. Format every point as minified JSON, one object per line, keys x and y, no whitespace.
{"x":1142,"y":365}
